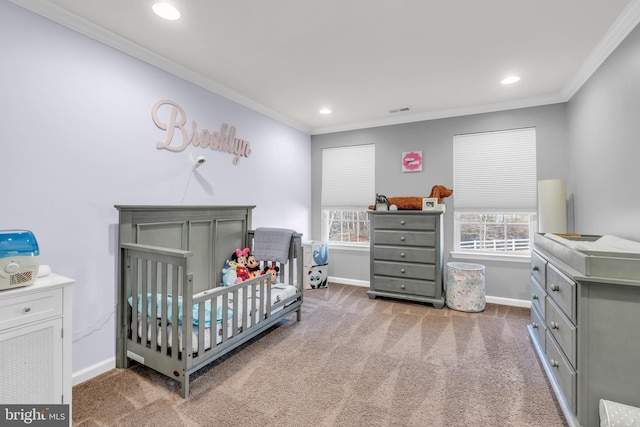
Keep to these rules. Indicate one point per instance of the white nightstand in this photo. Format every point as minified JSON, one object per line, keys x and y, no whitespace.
{"x":35,"y":342}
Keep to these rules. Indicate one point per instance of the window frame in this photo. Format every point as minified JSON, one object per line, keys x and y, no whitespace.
{"x":349,"y":188}
{"x":343,"y":244}
{"x":490,"y":254}
{"x":481,"y":200}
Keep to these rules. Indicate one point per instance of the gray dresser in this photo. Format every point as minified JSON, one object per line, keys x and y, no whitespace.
{"x":406,"y":256}
{"x":585,"y":326}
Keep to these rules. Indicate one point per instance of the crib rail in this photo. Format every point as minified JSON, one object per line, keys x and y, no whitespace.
{"x":158,"y":288}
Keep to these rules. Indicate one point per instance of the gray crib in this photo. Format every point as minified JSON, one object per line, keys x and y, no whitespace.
{"x":172,"y":314}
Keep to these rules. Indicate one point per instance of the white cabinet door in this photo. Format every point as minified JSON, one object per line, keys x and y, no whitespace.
{"x":31,"y":363}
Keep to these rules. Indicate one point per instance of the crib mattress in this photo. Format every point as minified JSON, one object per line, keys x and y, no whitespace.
{"x":279,"y":292}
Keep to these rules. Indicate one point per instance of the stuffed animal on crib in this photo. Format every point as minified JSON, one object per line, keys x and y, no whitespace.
{"x":240,"y":256}
{"x":273,"y":270}
{"x":229,"y":275}
{"x":242,"y":274}
{"x":253,"y":265}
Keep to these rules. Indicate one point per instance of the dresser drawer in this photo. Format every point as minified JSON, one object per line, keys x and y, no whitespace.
{"x":32,"y":307}
{"x":405,"y":222}
{"x":404,"y":286}
{"x":538,"y":295}
{"x":404,"y":270}
{"x":389,"y":253}
{"x":563,"y":372}
{"x":538,"y":268}
{"x":538,"y":326}
{"x":562,"y":290}
{"x":562,"y":329}
{"x":405,"y":238}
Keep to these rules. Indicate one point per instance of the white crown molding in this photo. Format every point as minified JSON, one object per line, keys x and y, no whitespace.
{"x":91,"y":30}
{"x":618,"y":31}
{"x":443,"y":114}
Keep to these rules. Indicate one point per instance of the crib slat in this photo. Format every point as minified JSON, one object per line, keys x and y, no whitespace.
{"x":225,"y":319}
{"x":175,"y":339}
{"x":143,"y":298}
{"x":154,"y":304}
{"x":214,"y":322}
{"x":201,"y":326}
{"x":133,"y":324}
{"x":164,"y":337}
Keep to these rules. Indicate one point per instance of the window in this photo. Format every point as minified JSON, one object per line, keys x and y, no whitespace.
{"x":348,"y":187}
{"x":495,"y":191}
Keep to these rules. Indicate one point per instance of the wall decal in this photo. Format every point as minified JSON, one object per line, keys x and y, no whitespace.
{"x":412,"y":161}
{"x":179,"y":137}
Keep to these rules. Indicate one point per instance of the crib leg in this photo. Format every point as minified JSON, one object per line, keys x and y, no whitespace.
{"x":184,"y":389}
{"x":299,"y":315}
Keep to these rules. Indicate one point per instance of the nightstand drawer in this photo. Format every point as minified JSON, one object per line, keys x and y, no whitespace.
{"x":397,"y":221}
{"x":28,"y":308}
{"x":404,"y":286}
{"x":390,"y":253}
{"x":539,"y":327}
{"x":538,"y":296}
{"x":562,"y":290}
{"x":538,"y":268}
{"x":404,"y":238}
{"x":562,"y":329}
{"x":404,"y":270}
{"x":563,"y":372}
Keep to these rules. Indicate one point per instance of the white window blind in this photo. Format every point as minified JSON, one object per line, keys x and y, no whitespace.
{"x":495,"y":170}
{"x":348,"y":177}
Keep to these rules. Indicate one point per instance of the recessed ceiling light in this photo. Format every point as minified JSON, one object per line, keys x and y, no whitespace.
{"x":166,"y":11}
{"x":510,"y":80}
{"x":325,"y":111}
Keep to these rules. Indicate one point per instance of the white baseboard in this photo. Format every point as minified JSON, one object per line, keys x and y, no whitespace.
{"x":93,"y":371}
{"x":509,"y":301}
{"x":353,"y":282}
{"x":492,"y":300}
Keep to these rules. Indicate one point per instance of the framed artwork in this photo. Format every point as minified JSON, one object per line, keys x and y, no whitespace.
{"x":430,"y":204}
{"x":412,"y":161}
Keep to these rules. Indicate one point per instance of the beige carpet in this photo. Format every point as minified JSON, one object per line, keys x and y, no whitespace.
{"x":352,"y":361}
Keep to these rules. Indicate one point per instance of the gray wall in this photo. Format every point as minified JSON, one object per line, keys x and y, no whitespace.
{"x":604,"y":150}
{"x":504,"y":279}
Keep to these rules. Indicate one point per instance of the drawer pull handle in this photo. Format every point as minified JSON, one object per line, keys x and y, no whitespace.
{"x":534,"y":296}
{"x":402,"y":222}
{"x":402,"y":270}
{"x":534,"y":325}
{"x":535,"y":268}
{"x":554,"y":363}
{"x":402,"y":238}
{"x":402,"y":254}
{"x":402,"y":286}
{"x":555,"y":288}
{"x":555,"y":325}
{"x":27,"y":309}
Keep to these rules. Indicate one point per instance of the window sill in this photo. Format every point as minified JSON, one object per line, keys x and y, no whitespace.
{"x":491,"y":257}
{"x":348,"y":247}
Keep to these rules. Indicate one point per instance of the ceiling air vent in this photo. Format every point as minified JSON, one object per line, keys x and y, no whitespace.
{"x":400,"y":110}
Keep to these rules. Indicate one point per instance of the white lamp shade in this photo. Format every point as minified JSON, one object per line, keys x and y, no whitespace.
{"x":552,"y":206}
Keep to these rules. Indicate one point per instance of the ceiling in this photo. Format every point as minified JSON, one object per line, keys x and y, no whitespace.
{"x":363,"y":58}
